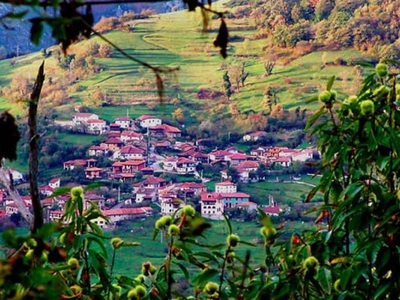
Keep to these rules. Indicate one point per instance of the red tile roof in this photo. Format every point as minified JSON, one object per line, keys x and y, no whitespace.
{"x":146,"y":117}
{"x":127,"y":211}
{"x":272,"y":209}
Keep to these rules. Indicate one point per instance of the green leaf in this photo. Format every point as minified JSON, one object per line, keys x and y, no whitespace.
{"x":247,"y":243}
{"x":183,"y":269}
{"x":353,"y":189}
{"x":344,"y":279}
{"x":61,"y":191}
{"x":206,"y":255}
{"x":282,"y":291}
{"x":382,"y":290}
{"x":14,"y":15}
{"x":330,"y":82}
{"x":228,"y":223}
{"x":325,"y":279}
{"x":155,"y":233}
{"x":312,"y":99}
{"x":311,"y":121}
{"x":204,"y":276}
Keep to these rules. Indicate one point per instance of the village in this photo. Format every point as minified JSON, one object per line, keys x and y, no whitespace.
{"x":132,"y":148}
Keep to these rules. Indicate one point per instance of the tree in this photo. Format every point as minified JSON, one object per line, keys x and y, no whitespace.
{"x":227,"y":85}
{"x":178,"y":115}
{"x":269,"y":62}
{"x":233,"y":174}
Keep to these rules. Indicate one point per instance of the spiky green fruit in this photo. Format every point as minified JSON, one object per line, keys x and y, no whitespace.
{"x":382,"y":70}
{"x":211,"y":288}
{"x":189,"y":210}
{"x":232,"y":240}
{"x":367,"y":107}
{"x":173,"y":230}
{"x":77,"y":192}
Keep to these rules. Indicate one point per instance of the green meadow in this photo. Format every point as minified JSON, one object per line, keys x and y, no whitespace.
{"x":176,"y":40}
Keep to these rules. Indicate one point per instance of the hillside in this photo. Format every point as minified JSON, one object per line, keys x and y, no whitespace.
{"x":175,"y":39}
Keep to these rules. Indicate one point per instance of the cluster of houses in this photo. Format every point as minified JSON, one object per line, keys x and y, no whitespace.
{"x":130,"y":153}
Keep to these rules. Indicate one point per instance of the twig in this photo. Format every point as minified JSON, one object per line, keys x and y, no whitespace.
{"x":34,"y":150}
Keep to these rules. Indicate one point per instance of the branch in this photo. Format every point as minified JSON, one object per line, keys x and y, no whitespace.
{"x":34,"y":150}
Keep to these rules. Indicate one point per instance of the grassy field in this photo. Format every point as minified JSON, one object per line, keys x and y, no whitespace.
{"x":175,"y":39}
{"x":128,"y":260}
{"x":283,"y":193}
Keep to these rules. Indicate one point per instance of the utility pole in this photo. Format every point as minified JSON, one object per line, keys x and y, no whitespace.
{"x":148,"y":146}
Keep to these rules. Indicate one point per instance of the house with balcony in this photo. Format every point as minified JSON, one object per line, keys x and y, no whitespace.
{"x":124,"y":122}
{"x":212,"y":206}
{"x":72,"y":164}
{"x":236,"y":159}
{"x":225,"y":187}
{"x":169,"y":203}
{"x":97,"y":150}
{"x":112,"y":144}
{"x":128,"y":136}
{"x":96,"y":126}
{"x":185,"y":166}
{"x":94,"y":173}
{"x":129,"y":152}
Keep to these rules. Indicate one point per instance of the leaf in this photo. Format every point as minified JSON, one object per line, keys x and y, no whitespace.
{"x":204,"y":276}
{"x":282,"y":290}
{"x":9,"y":137}
{"x":36,"y":30}
{"x":382,"y":291}
{"x":325,"y":279}
{"x":183,"y":269}
{"x":312,"y":193}
{"x":330,"y":82}
{"x":312,"y":99}
{"x":353,"y":189}
{"x":247,"y":243}
{"x":311,"y":121}
{"x":339,"y":260}
{"x":210,"y":256}
{"x":61,"y":191}
{"x":344,"y":279}
{"x":265,"y":219}
{"x":228,"y":223}
{"x":14,"y":15}
{"x":365,"y":64}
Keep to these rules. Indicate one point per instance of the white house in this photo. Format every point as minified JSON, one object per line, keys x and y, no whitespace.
{"x":124,"y":122}
{"x":304,"y":155}
{"x":212,"y":206}
{"x":254,"y":136}
{"x":80,"y":118}
{"x":55,"y":183}
{"x":129,"y":136}
{"x":96,"y":126}
{"x":169,"y":203}
{"x":97,"y":150}
{"x":185,"y":166}
{"x":225,"y":187}
{"x":129,"y":152}
{"x":146,"y":121}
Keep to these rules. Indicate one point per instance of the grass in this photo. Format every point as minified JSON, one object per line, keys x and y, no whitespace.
{"x":78,"y":139}
{"x":129,"y":259}
{"x":283,"y":193}
{"x":175,"y":39}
